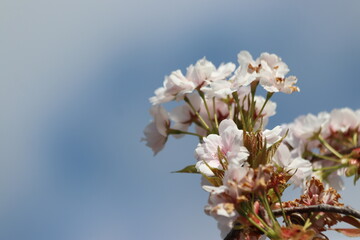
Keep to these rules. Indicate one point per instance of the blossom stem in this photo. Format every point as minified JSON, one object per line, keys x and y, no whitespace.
{"x":175,"y":131}
{"x":255,"y":224}
{"x":252,"y":104}
{"x":253,"y":89}
{"x":186,"y":99}
{"x":327,"y":145}
{"x":237,"y":108}
{"x":206,"y":106}
{"x":215,"y":114}
{"x":344,"y":152}
{"x":319,"y":156}
{"x":268,"y":96}
{"x":266,"y":226}
{"x":229,"y":105}
{"x":268,"y":210}
{"x":287,"y":222}
{"x":330,"y":168}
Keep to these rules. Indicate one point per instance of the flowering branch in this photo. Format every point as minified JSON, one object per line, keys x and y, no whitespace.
{"x":245,"y":167}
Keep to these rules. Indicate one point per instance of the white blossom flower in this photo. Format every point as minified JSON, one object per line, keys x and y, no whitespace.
{"x":272,"y":74}
{"x":222,"y":72}
{"x":204,"y":72}
{"x":357,"y":112}
{"x":156,"y":131}
{"x":274,"y":62}
{"x":272,"y":136}
{"x":300,"y":168}
{"x":341,"y":120}
{"x":223,"y":212}
{"x":307,"y":125}
{"x":247,"y":71}
{"x":219,"y":89}
{"x":229,"y":142}
{"x":175,"y":87}
{"x":268,"y":69}
{"x":201,"y":74}
{"x":222,"y":200}
{"x":223,"y":88}
{"x":272,"y":80}
{"x":303,"y":129}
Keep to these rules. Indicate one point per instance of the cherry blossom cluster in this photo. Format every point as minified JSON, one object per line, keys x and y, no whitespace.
{"x":245,"y":167}
{"x":330,"y":141}
{"x":210,"y":95}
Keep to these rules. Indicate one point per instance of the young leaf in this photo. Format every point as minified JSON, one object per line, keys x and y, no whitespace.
{"x":351,"y":220}
{"x":350,"y":232}
{"x":187,"y":169}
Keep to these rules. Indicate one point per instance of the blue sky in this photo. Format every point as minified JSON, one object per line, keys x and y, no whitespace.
{"x":75,"y":80}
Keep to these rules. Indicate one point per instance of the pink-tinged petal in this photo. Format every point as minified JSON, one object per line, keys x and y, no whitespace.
{"x":161,"y":96}
{"x":223,"y":71}
{"x":301,"y":170}
{"x":282,"y":156}
{"x":153,"y":138}
{"x":218,"y":89}
{"x":272,"y":75}
{"x":229,"y":142}
{"x":343,"y":119}
{"x":246,"y":73}
{"x":201,"y":72}
{"x":156,"y":132}
{"x":227,"y":123}
{"x":274,"y":62}
{"x":177,"y":85}
{"x":272,"y":136}
{"x":181,"y":114}
{"x":235,"y":173}
{"x":243,"y":78}
{"x":161,"y":119}
{"x":245,"y":58}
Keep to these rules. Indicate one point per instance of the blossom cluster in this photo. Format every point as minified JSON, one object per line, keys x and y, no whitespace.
{"x":209,"y":93}
{"x":330,"y":141}
{"x":245,"y":167}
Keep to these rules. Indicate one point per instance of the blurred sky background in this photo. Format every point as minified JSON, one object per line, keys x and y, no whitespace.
{"x":75,"y":78}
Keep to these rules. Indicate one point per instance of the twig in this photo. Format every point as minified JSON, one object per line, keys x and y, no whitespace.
{"x":346,"y":210}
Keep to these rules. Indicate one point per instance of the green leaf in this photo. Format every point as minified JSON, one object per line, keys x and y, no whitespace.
{"x":187,"y":169}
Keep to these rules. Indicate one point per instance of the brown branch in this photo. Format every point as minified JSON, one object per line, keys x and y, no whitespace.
{"x":346,"y":210}
{"x":319,"y":208}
